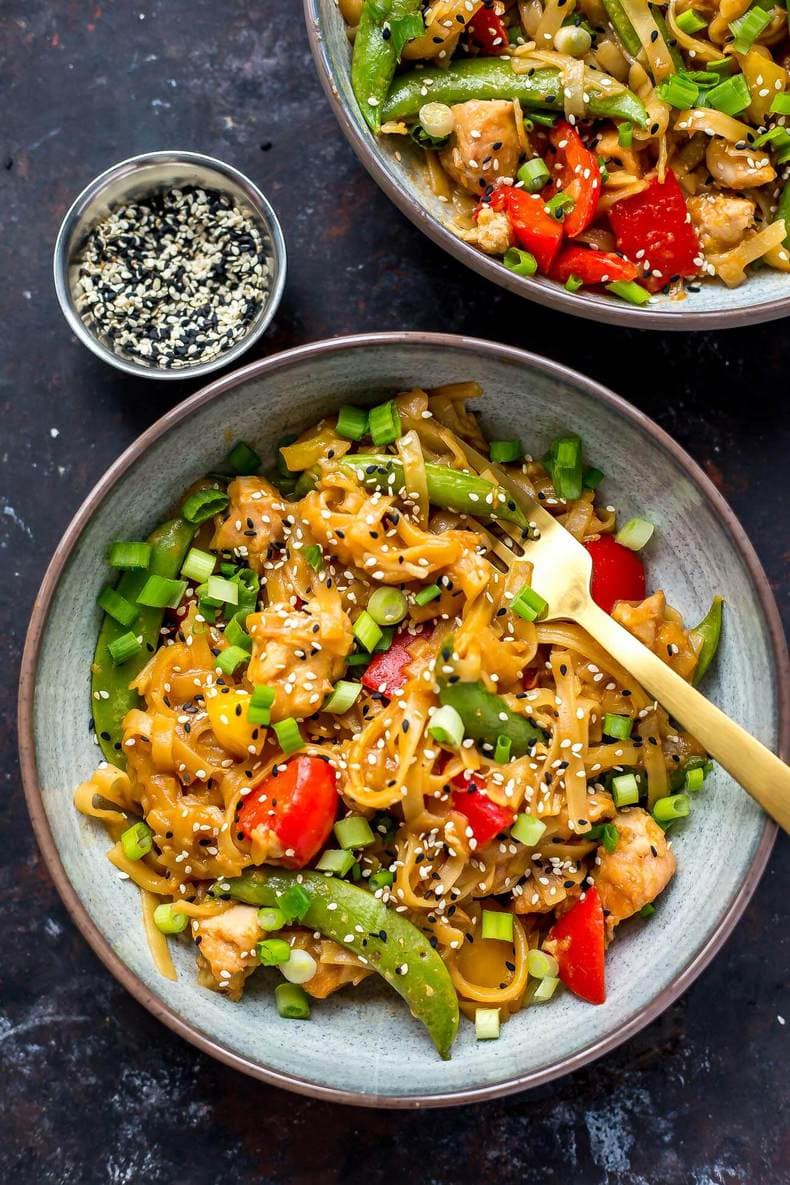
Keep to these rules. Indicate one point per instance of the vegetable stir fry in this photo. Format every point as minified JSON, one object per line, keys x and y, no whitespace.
{"x":606,"y":144}
{"x":343,"y":738}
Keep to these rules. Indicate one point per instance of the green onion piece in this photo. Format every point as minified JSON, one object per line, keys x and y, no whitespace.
{"x":427,"y":594}
{"x":674,"y":806}
{"x":592,"y":478}
{"x":354,"y":832}
{"x":522,"y":263}
{"x":603,"y":169}
{"x":635,"y":534}
{"x":198,"y":565}
{"x":486,"y":1024}
{"x":384,"y":423}
{"x":625,"y":134}
{"x":235,"y":633}
{"x":169,"y":920}
{"x":777,"y":137}
{"x":300,"y":967}
{"x":564,"y":463}
{"x":129,"y":555}
{"x":446,"y":726}
{"x":629,"y":290}
{"x":381,"y":879}
{"x":207,"y":611}
{"x":722,"y":66}
{"x":747,"y":29}
{"x":242,"y":459}
{"x":387,"y":638}
{"x":220,"y":589}
{"x":647,"y":911}
{"x":159,"y":592}
{"x":690,"y":22}
{"x":497,"y":925}
{"x":625,"y":789}
{"x":610,"y":837}
{"x":388,"y":606}
{"x":732,"y":95}
{"x":541,"y":965}
{"x":534,"y":174}
{"x":335,"y":861}
{"x":366,"y":631}
{"x":230,"y":659}
{"x":263,"y":696}
{"x":273,"y":951}
{"x":295,"y":903}
{"x":781,"y":105}
{"x":249,"y":586}
{"x":617,"y":726}
{"x":502,"y":750}
{"x":694,"y":779}
{"x":116,"y":606}
{"x":137,"y":841}
{"x":314,"y":556}
{"x":229,"y":570}
{"x":546,"y":989}
{"x":344,"y":696}
{"x":528,"y":829}
{"x":574,"y":283}
{"x":292,"y":1001}
{"x":678,"y":91}
{"x":288,"y":735}
{"x":352,"y":422}
{"x":529,"y":604}
{"x":271,"y":918}
{"x":542,"y":119}
{"x":357,"y":660}
{"x":121,"y":649}
{"x":559,"y":205}
{"x":203,"y":505}
{"x":503,"y":451}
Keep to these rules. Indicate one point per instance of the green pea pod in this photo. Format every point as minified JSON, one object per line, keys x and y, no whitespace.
{"x":452,"y":489}
{"x":709,"y":630}
{"x":111,"y":694}
{"x":360,"y":922}
{"x":625,"y":31}
{"x":376,"y":54}
{"x":783,"y":211}
{"x":486,"y":717}
{"x":493,"y":78}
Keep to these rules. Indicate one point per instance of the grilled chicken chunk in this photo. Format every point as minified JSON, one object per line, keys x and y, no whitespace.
{"x":255,"y":519}
{"x":485,"y":146}
{"x":640,"y":867}
{"x":227,"y":949}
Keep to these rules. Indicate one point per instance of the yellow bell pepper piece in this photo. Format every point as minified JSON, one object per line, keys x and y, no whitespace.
{"x":314,"y":446}
{"x":762,"y":74}
{"x":227,"y":712}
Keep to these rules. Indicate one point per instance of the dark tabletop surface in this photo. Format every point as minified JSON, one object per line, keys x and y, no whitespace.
{"x":94,"y":1090}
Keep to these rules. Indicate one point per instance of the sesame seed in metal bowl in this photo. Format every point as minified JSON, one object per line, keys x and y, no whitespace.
{"x":170,"y":265}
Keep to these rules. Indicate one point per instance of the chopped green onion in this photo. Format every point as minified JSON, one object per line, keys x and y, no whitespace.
{"x":690,"y":22}
{"x":731,"y":96}
{"x":121,"y":649}
{"x":198,"y":565}
{"x":230,"y":659}
{"x":559,"y":205}
{"x":541,"y":965}
{"x":777,"y":137}
{"x":646,"y":911}
{"x":137,"y":841}
{"x":352,"y":422}
{"x":300,"y":967}
{"x":357,"y":659}
{"x":235,"y":633}
{"x":610,"y":837}
{"x":116,"y":606}
{"x":169,"y":920}
{"x":271,"y":918}
{"x":574,"y":283}
{"x":625,"y":789}
{"x":381,"y":879}
{"x":564,"y":463}
{"x":635,"y":534}
{"x":617,"y":726}
{"x":534,"y":174}
{"x":288,"y":735}
{"x":261,"y":700}
{"x":335,"y":861}
{"x":625,"y":134}
{"x":694,"y":779}
{"x":747,"y":28}
{"x":542,"y":119}
{"x":386,"y":640}
{"x":529,"y":604}
{"x":528,"y":829}
{"x":603,"y":170}
{"x":129,"y":555}
{"x":629,"y":290}
{"x":592,"y":478}
{"x":674,"y":806}
{"x":722,"y":66}
{"x":388,"y":606}
{"x":502,"y":750}
{"x":314,"y":556}
{"x":497,"y":925}
{"x":366,"y":631}
{"x":446,"y":726}
{"x":203,"y":505}
{"x":354,"y":832}
{"x":384,"y":423}
{"x":503,"y":451}
{"x":678,"y":91}
{"x":273,"y":952}
{"x":546,"y":989}
{"x":344,"y":696}
{"x":427,"y":594}
{"x":292,"y":1002}
{"x":780,"y":105}
{"x":242,"y":459}
{"x":486,"y":1024}
{"x":220,"y":589}
{"x":159,"y":592}
{"x":249,"y":586}
{"x":522,"y":263}
{"x":295,"y":903}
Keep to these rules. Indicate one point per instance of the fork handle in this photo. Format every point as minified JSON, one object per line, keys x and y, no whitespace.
{"x":758,"y":771}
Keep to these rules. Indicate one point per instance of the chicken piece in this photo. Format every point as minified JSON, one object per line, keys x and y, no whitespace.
{"x":494,"y":234}
{"x":738,"y":168}
{"x":300,"y":651}
{"x":227,"y":952}
{"x":484,"y":148}
{"x":255,"y":520}
{"x":660,"y":628}
{"x":640,"y":867}
{"x":721,"y":221}
{"x":337,"y":966}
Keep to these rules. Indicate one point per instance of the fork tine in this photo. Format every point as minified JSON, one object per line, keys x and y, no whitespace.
{"x":496,"y":545}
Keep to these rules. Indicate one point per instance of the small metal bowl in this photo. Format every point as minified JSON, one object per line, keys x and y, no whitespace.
{"x":138,"y":177}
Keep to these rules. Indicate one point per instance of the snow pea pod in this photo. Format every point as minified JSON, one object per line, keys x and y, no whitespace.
{"x":709,"y":629}
{"x":111,"y":695}
{"x":360,"y":922}
{"x":376,"y":54}
{"x":626,"y":33}
{"x":486,"y":717}
{"x":783,"y":211}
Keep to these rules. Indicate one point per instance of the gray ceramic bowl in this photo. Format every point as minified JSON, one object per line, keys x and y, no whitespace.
{"x":362,"y":1046}
{"x":764,"y":297}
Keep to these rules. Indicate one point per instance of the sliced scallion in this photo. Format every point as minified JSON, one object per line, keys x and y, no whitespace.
{"x":497,"y":925}
{"x":273,"y":952}
{"x":731,"y":96}
{"x":528,"y":829}
{"x":295,"y":903}
{"x":354,"y":832}
{"x":574,"y":283}
{"x":336,"y":861}
{"x":198,"y":565}
{"x":288,"y":735}
{"x":235,"y":633}
{"x":625,"y":789}
{"x":629,"y":290}
{"x":625,"y":134}
{"x":352,"y":422}
{"x":694,"y":779}
{"x":121,"y":649}
{"x":381,"y":879}
{"x":528,"y":604}
{"x":137,"y":841}
{"x":388,"y":606}
{"x":559,"y":205}
{"x":314,"y":556}
{"x":271,"y":918}
{"x":242,"y":459}
{"x":486,"y":1024}
{"x":674,"y":806}
{"x":502,"y":750}
{"x":344,"y":696}
{"x":546,"y":989}
{"x":384,"y":423}
{"x":780,"y":105}
{"x":169,"y":920}
{"x":116,"y":606}
{"x":541,"y":965}
{"x":534,"y":174}
{"x":126,"y":555}
{"x":635,"y":534}
{"x":230,"y":659}
{"x":446,"y":726}
{"x":203,"y":505}
{"x":260,"y":706}
{"x":592,"y":478}
{"x":747,"y":28}
{"x":521,"y":263}
{"x":301,"y":966}
{"x":647,"y":911}
{"x":504,"y":451}
{"x":367,"y":632}
{"x":618,"y":727}
{"x":160,"y":592}
{"x":427,"y":594}
{"x":292,"y":1002}
{"x":690,"y":22}
{"x":678,"y":91}
{"x":220,"y":589}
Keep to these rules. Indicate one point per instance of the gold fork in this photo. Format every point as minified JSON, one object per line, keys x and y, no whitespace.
{"x":562,"y":571}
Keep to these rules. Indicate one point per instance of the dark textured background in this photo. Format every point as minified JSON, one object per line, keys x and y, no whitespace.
{"x":93,"y":1089}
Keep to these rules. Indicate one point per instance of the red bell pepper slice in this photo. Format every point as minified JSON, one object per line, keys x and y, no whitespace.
{"x":618,"y":573}
{"x":488,"y":31}
{"x":577,"y":940}
{"x":578,"y":175}
{"x":593,"y":267}
{"x":485,"y":817}
{"x":386,"y":672}
{"x":534,"y":229}
{"x":299,"y":805}
{"x":655,"y":227}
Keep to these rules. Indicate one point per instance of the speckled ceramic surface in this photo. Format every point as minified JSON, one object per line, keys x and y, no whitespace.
{"x":764,"y":297}
{"x":362,"y":1045}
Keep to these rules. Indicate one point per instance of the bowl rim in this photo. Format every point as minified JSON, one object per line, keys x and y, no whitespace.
{"x":590,"y":306}
{"x":28,"y":672}
{"x":127,"y":168}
